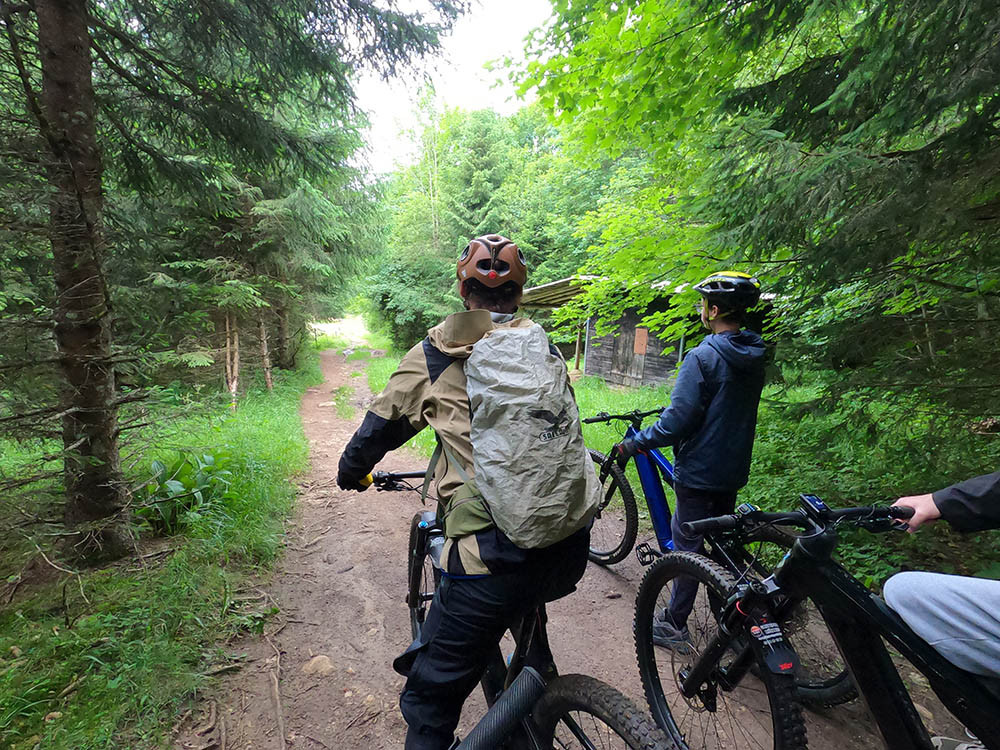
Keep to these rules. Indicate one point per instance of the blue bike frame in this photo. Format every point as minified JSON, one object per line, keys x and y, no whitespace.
{"x":653,"y":468}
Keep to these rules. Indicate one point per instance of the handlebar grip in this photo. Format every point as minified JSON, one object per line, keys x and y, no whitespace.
{"x":367,"y":481}
{"x":901,"y":511}
{"x":719,"y":523}
{"x":601,"y":416}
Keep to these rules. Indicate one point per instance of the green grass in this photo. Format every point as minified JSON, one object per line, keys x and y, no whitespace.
{"x":135,"y":643}
{"x":342,"y":401}
{"x":379,"y":370}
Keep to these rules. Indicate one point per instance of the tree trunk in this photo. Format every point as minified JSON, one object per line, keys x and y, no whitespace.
{"x":265,"y":355}
{"x":92,"y":467}
{"x":284,"y":349}
{"x":232,"y":358}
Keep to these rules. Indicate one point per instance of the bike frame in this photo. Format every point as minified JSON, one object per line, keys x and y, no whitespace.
{"x":853,"y":615}
{"x":859,"y":621}
{"x":653,"y":467}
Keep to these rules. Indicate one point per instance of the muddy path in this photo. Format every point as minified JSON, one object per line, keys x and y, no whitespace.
{"x":320,"y":673}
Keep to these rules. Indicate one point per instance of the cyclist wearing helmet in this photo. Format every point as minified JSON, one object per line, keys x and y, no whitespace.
{"x":489,"y":583}
{"x":710,"y":423}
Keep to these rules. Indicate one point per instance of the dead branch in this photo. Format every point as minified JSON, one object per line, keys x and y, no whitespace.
{"x":210,"y":724}
{"x":276,"y":701}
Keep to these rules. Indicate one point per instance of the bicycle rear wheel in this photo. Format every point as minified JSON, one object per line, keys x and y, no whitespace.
{"x":422,"y":577}
{"x":617,"y":521}
{"x":578,"y":711}
{"x":823,"y":679}
{"x":760,"y":712}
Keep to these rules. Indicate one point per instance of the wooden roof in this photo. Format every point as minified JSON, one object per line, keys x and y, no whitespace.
{"x":555,"y":293}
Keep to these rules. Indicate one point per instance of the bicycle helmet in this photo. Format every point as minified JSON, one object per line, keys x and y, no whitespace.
{"x":730,"y":289}
{"x":493,"y":261}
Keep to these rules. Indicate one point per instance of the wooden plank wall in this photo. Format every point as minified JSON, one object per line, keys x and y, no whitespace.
{"x":624,"y":360}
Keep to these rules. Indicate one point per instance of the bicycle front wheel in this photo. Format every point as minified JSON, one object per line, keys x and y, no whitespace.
{"x":617,"y":521}
{"x":422,"y":577}
{"x":577,"y":711}
{"x":760,"y":711}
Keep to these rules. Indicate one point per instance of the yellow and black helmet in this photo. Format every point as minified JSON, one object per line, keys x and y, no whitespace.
{"x":730,"y":289}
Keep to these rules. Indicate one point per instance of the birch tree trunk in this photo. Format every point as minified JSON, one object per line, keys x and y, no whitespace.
{"x":232,"y":358}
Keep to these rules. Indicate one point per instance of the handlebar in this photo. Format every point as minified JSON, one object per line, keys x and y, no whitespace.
{"x":389,"y":480}
{"x":872,"y":517}
{"x":632,"y":416}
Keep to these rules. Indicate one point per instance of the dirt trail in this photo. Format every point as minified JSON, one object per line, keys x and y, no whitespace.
{"x":325,"y":658}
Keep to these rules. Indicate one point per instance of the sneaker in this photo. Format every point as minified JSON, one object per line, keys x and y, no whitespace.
{"x":668,"y":635}
{"x":946,"y":743}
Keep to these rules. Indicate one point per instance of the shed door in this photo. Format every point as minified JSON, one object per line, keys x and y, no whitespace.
{"x":629,"y":359}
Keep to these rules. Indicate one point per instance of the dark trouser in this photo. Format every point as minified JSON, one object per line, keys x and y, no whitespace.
{"x":692,"y":505}
{"x":464,"y":625}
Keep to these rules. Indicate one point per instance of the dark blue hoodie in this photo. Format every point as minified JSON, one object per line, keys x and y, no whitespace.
{"x":713,"y":412}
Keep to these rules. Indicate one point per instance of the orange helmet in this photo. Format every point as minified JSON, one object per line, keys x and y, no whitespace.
{"x":491,"y":260}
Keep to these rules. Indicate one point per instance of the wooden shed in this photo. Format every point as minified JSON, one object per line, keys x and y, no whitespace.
{"x":629,"y":356}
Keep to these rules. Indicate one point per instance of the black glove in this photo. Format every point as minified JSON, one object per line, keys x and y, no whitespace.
{"x":346,"y":482}
{"x":626,"y":448}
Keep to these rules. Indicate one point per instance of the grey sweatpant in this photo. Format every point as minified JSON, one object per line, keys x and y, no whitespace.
{"x":957,"y":615}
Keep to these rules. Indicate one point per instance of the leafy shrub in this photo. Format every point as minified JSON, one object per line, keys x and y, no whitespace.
{"x":176,"y":493}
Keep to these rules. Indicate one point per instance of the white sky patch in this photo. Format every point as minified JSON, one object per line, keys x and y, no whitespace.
{"x":491,"y":30}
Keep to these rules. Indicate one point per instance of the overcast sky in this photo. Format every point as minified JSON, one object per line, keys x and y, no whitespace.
{"x":491,"y":30}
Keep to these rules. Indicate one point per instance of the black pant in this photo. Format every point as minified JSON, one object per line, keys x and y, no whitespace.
{"x":464,"y":625}
{"x":692,"y":505}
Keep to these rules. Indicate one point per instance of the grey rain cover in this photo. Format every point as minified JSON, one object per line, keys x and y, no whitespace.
{"x":531,"y":466}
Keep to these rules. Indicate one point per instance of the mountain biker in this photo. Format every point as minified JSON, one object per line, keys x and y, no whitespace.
{"x":489,"y":583}
{"x":958,"y":616}
{"x":710,"y":423}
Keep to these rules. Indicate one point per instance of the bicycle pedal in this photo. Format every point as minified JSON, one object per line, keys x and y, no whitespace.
{"x":646,"y":554}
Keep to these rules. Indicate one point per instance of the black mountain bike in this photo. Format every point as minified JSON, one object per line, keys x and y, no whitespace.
{"x":532,"y":707}
{"x":822,"y":679}
{"x":736,"y":688}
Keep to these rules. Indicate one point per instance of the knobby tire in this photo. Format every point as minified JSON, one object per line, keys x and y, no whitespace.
{"x":583,"y":700}
{"x":415,"y":576}
{"x":615,"y":485}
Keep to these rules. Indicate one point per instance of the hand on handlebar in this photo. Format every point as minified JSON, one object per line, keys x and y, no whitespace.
{"x":346,"y":482}
{"x":625,"y":449}
{"x":925,"y":510}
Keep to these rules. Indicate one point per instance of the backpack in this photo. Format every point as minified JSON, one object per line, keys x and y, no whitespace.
{"x":532,"y":471}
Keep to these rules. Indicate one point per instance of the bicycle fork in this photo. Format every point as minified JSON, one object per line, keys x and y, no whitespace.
{"x":746,"y":612}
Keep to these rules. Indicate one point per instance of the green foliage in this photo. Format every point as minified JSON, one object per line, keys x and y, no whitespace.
{"x":379,"y":370}
{"x":478,"y":173}
{"x":843,"y":151}
{"x":177,"y":494}
{"x":342,"y":401}
{"x":138,"y":647}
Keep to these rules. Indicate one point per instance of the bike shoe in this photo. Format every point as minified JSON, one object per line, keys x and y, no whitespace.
{"x":667,"y":635}
{"x":946,"y":743}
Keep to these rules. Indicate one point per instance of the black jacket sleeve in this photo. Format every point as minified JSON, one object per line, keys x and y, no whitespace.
{"x":373,"y":439}
{"x":972,"y":505}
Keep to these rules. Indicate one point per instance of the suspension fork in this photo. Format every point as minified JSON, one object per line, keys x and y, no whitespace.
{"x":746,"y":612}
